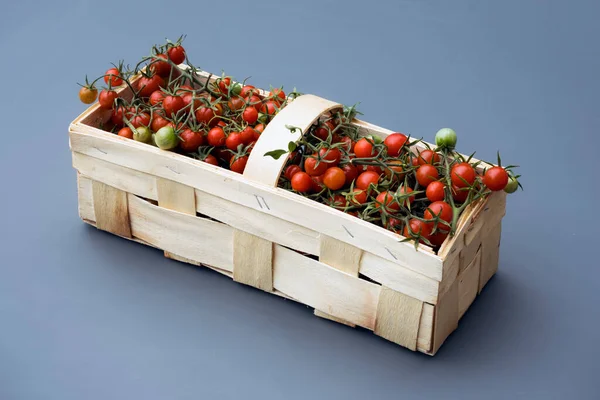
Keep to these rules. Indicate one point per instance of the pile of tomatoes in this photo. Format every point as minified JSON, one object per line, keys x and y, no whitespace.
{"x":400,"y":184}
{"x":217,"y":122}
{"x":394,"y":182}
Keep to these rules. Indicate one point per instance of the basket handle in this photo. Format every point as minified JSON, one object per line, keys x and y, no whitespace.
{"x":302,"y":113}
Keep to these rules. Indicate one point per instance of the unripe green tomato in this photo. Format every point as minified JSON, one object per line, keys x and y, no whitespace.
{"x":236,"y":89}
{"x":263,"y":118}
{"x":166,"y":138}
{"x":446,"y":138}
{"x":142,"y":134}
{"x":375,"y":139}
{"x":512,"y":185}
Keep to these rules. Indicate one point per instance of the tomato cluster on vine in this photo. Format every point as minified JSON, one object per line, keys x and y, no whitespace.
{"x":400,"y":184}
{"x":213,"y":120}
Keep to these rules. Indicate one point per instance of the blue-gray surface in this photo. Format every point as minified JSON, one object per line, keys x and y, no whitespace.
{"x":86,"y":315}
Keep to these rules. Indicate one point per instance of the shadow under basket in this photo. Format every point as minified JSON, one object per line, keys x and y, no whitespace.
{"x":247,"y":228}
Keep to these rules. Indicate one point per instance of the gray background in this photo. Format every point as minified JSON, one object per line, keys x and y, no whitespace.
{"x":85,"y":315}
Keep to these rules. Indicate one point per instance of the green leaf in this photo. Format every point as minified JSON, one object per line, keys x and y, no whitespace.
{"x":275,"y":153}
{"x":291,"y":146}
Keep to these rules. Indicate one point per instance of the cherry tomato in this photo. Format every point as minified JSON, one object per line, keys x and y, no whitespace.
{"x":363,"y":148}
{"x":435,"y":191}
{"x":223,"y":84}
{"x":292,"y":170}
{"x":172,"y":104}
{"x":302,"y":182}
{"x":233,"y":140}
{"x":332,"y":156}
{"x":334,"y":178}
{"x":269,"y":108}
{"x":417,"y":228}
{"x":442,"y":210}
{"x":107,"y":99}
{"x":210,"y":159}
{"x":428,"y":157}
{"x":394,"y":143}
{"x":512,"y":185}
{"x":147,"y":85}
{"x":459,"y":194}
{"x":138,"y":118}
{"x":394,"y":171}
{"x":166,"y":138}
{"x":394,"y":225}
{"x":158,"y":121}
{"x":495,"y":178}
{"x":358,"y":197}
{"x":238,"y":164}
{"x":176,"y":54}
{"x":446,"y":138}
{"x":406,"y":190}
{"x":313,"y":168}
{"x":348,"y":144}
{"x":116,"y":117}
{"x":277,"y":94}
{"x":236,"y":103}
{"x":337,"y":201}
{"x":317,"y":182}
{"x":157,"y":97}
{"x":386,"y":199}
{"x":350,"y":172}
{"x":437,"y":238}
{"x":224,"y":154}
{"x":256,"y":102}
{"x":191,"y":140}
{"x":426,"y":174}
{"x":323,"y":130}
{"x":250,"y":115}
{"x":248,"y":135}
{"x":216,"y":137}
{"x":366,"y":179}
{"x":112,"y":75}
{"x":88,"y":95}
{"x":462,"y":175}
{"x":206,"y":115}
{"x":248,"y":90}
{"x":126,"y":133}
{"x":159,"y":67}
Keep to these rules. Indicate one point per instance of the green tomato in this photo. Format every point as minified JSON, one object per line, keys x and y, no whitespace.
{"x":166,"y":138}
{"x":446,"y":138}
{"x":512,"y":185}
{"x":375,"y":139}
{"x":142,"y":134}
{"x":236,"y":89}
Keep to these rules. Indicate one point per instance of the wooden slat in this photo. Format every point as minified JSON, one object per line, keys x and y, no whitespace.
{"x":85,"y":198}
{"x":446,"y":316}
{"x":110,"y":209}
{"x":175,"y":196}
{"x":468,"y":284}
{"x":398,"y":318}
{"x":341,"y":256}
{"x":468,"y":254}
{"x":489,"y":216}
{"x":399,"y":279}
{"x":490,"y":253}
{"x":322,"y":287}
{"x":274,"y":201}
{"x":252,"y":260}
{"x":425,"y":336}
{"x":194,"y":238}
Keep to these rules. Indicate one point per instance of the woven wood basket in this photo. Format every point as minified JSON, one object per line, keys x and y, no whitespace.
{"x":244,"y":227}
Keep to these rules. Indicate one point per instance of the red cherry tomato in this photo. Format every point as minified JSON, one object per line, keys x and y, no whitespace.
{"x":302,"y":182}
{"x":495,"y":178}
{"x":366,"y":179}
{"x":462,"y":175}
{"x":428,"y":157}
{"x":435,"y":191}
{"x":216,"y":137}
{"x":394,"y":143}
{"x":426,"y":174}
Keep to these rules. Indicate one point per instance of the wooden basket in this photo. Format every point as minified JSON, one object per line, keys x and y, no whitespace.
{"x":245,"y":227}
